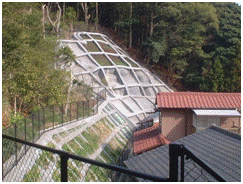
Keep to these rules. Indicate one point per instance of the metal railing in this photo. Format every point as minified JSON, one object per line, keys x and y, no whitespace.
{"x":31,"y":128}
{"x":185,"y":166}
{"x":65,"y":167}
{"x":58,"y":165}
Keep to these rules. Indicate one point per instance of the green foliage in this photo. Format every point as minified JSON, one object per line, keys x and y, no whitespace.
{"x":28,"y":59}
{"x":33,"y":175}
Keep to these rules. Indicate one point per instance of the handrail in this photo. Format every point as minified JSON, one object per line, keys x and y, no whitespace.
{"x":66,"y":155}
{"x":192,"y":156}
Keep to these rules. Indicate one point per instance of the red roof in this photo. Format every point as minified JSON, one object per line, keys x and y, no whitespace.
{"x":148,"y":139}
{"x":198,"y":100}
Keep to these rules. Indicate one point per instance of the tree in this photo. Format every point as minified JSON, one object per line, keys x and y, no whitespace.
{"x":85,"y":8}
{"x":29,"y":78}
{"x":56,"y":24}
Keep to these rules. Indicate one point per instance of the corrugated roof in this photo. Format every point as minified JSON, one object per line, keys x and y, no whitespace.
{"x":198,"y":100}
{"x":218,"y":148}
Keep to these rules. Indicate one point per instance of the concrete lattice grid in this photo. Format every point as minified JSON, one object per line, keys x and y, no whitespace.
{"x":102,"y":64}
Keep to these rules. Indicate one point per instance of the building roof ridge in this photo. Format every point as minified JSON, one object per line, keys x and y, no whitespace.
{"x":225,"y":132}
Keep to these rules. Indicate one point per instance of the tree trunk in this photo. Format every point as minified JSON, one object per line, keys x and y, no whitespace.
{"x":55,"y":24}
{"x":130,"y":18}
{"x":86,"y":10}
{"x":43,"y":21}
{"x":96,"y":18}
{"x":151,"y":24}
{"x":63,"y":12}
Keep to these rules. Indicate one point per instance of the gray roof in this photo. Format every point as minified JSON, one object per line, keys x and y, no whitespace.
{"x":218,"y":148}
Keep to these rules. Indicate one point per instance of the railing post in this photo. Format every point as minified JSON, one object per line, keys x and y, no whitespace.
{"x":64,"y":173}
{"x":173,"y":165}
{"x":182,"y":167}
{"x":15,"y":135}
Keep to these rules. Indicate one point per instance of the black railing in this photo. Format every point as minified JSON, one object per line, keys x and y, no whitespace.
{"x":65,"y":165}
{"x":31,"y":128}
{"x":185,"y":166}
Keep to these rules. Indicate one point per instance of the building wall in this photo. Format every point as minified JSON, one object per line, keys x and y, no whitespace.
{"x":231,"y":123}
{"x":178,"y":123}
{"x":173,"y":123}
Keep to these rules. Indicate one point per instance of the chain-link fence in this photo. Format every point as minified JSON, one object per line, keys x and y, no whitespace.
{"x":36,"y":124}
{"x":46,"y":164}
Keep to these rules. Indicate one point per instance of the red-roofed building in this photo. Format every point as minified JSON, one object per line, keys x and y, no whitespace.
{"x":183,"y":113}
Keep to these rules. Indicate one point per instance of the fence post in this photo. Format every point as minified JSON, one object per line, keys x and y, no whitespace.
{"x":88,"y":108}
{"x":83,"y":108}
{"x":77,"y":111}
{"x":173,"y":164}
{"x":44,"y":119}
{"x":15,"y":134}
{"x":39,"y":122}
{"x":70,"y":111}
{"x":25,"y":134}
{"x":33,"y":133}
{"x":64,"y":173}
{"x":62,"y":114}
{"x":97,"y":103}
{"x":53,"y":117}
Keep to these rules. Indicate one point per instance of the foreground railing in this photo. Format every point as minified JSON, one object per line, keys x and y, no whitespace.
{"x":65,"y":167}
{"x":185,"y":166}
{"x":43,"y":163}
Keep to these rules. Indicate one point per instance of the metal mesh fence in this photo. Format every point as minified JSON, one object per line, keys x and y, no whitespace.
{"x":39,"y":165}
{"x":33,"y":126}
{"x":195,"y":173}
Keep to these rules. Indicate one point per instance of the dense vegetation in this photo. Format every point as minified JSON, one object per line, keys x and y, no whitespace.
{"x":196,"y":45}
{"x":192,"y":46}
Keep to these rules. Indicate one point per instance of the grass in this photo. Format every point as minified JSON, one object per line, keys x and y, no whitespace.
{"x":97,"y":37}
{"x":56,"y":175}
{"x":71,"y":130}
{"x":92,"y":47}
{"x":33,"y":175}
{"x":63,"y":134}
{"x":106,"y":157}
{"x":117,"y":60}
{"x":99,"y":173}
{"x":56,"y":138}
{"x":102,"y":60}
{"x":107,"y":48}
{"x":131,"y":62}
{"x":84,"y":36}
{"x":66,"y":148}
{"x":73,"y":173}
